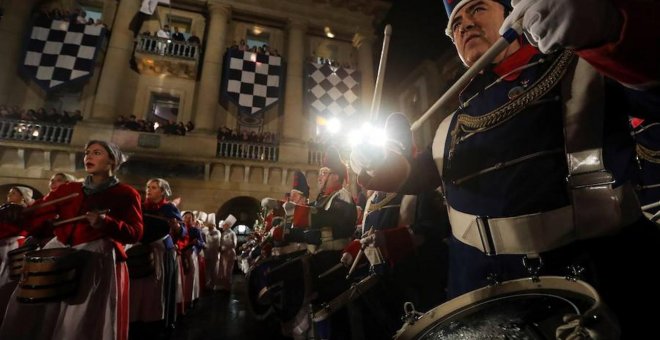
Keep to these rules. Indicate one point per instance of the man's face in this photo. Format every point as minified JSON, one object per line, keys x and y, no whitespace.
{"x":323,"y":176}
{"x":298,"y":198}
{"x":475,"y":29}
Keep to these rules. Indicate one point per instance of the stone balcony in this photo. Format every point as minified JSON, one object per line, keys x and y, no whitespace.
{"x":160,"y":56}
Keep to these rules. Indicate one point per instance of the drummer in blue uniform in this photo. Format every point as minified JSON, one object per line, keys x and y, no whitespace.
{"x":516,"y":186}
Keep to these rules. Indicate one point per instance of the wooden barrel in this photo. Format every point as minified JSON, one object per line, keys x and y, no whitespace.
{"x":49,"y":275}
{"x":140,"y":261}
{"x":16,"y":260}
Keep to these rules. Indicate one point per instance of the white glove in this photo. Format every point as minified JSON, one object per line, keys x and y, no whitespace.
{"x":367,"y":157}
{"x":346,"y":259}
{"x":269,"y":203}
{"x":289,"y":208}
{"x":574,"y":24}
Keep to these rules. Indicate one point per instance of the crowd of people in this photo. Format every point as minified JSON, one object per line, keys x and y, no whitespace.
{"x":226,"y":134}
{"x":169,"y":128}
{"x":42,"y":115}
{"x":138,"y":263}
{"x":74,"y":16}
{"x":263,"y":49}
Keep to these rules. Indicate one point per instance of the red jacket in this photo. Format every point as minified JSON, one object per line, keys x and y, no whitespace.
{"x":122,"y":224}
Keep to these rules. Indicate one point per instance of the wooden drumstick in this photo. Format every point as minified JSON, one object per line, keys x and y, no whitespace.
{"x":358,"y":257}
{"x":380,"y":77}
{"x":45,"y":204}
{"x":331,"y":270}
{"x":77,"y":218}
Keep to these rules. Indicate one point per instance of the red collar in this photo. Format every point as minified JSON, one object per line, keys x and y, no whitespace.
{"x":519,"y":58}
{"x":149,"y":205}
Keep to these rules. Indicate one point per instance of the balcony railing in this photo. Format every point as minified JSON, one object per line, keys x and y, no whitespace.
{"x":248,"y":151}
{"x":167,"y":47}
{"x":24,"y":130}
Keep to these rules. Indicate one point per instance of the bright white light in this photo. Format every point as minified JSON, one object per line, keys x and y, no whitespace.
{"x":377,"y":137}
{"x":334,"y":125}
{"x":242,"y":229}
{"x":355,"y":138}
{"x":156,"y":125}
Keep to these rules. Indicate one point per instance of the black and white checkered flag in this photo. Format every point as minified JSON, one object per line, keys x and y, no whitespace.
{"x":58,"y":52}
{"x":332,"y":91}
{"x":252,"y":80}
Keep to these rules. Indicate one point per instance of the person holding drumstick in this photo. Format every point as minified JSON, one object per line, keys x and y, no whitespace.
{"x":11,"y":237}
{"x":153,"y":298}
{"x":99,"y":218}
{"x":536,"y":162}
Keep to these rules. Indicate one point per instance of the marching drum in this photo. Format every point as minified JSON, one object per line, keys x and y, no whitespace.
{"x":49,"y":275}
{"x":140,"y":261}
{"x":518,"y":309}
{"x":17,"y":259}
{"x":264,"y":291}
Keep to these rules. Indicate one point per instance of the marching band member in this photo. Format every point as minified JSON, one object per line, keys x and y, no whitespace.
{"x":111,"y":217}
{"x":531,"y":173}
{"x":190,"y":252}
{"x":11,"y":235}
{"x":228,"y":243}
{"x":212,"y":257}
{"x":153,"y":298}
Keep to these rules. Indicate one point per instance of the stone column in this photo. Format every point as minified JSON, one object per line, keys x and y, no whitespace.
{"x":12,"y":30}
{"x":116,"y":63}
{"x":364,"y":44}
{"x":293,"y":126}
{"x":208,"y":89}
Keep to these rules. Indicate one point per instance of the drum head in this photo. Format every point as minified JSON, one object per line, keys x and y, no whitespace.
{"x":525,"y":316}
{"x":519,"y":309}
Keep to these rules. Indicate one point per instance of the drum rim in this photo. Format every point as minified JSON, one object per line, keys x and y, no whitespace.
{"x":37,"y":256}
{"x":23,"y":249}
{"x":412,"y":331}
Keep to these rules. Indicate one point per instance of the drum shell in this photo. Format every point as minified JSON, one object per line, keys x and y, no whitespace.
{"x":49,"y":275}
{"x":16,"y":259}
{"x":140,"y":261}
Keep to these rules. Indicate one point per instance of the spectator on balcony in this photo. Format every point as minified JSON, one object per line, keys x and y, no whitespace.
{"x":120,"y":122}
{"x":193,"y":39}
{"x":242,"y":46}
{"x":76,"y":117}
{"x":178,"y":36}
{"x":132,"y":123}
{"x":28,"y":115}
{"x":165,"y":35}
{"x":190,"y":126}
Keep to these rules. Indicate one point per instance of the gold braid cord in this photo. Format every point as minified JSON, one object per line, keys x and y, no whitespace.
{"x":377,"y":206}
{"x":469,"y":124}
{"x":647,"y":154}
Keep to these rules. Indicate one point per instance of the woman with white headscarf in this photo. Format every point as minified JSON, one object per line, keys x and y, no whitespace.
{"x":153,"y":297}
{"x":11,"y":237}
{"x":228,"y":242}
{"x":99,"y":217}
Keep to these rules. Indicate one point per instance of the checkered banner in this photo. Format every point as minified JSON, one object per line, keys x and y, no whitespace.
{"x":58,"y":52}
{"x":252,"y":80}
{"x":332,"y":91}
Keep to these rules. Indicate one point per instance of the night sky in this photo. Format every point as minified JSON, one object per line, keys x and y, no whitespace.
{"x":417,"y":34}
